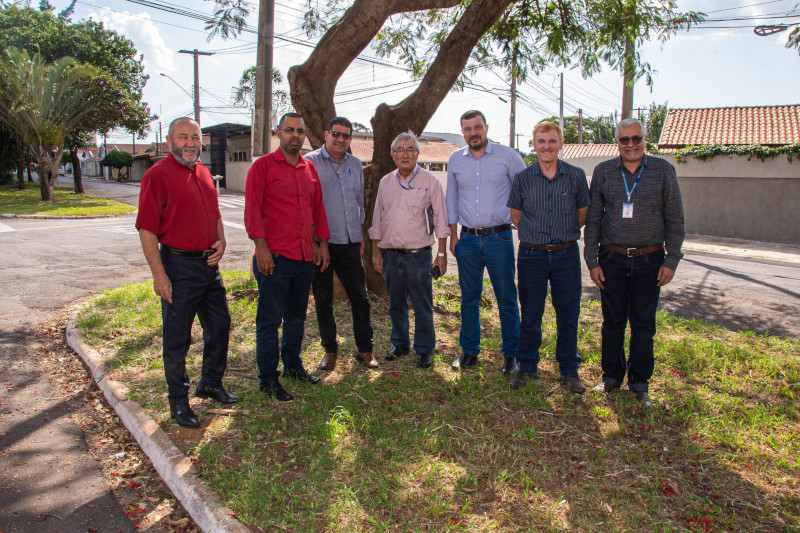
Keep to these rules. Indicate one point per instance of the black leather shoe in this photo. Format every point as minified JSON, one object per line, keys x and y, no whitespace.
{"x":464,"y":362}
{"x":605,"y":388}
{"x":301,"y":375}
{"x":215,"y":393}
{"x":572,"y":383}
{"x":644,"y":398}
{"x":183,"y":414}
{"x":273,"y":388}
{"x":396,"y":353}
{"x":510,"y":366}
{"x":424,"y":360}
{"x":521,"y":378}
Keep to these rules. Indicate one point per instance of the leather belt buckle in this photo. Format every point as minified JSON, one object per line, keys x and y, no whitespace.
{"x":631,"y":252}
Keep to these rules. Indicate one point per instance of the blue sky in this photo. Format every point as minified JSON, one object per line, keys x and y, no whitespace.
{"x":711,"y":66}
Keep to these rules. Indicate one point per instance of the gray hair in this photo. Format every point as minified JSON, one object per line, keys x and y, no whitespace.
{"x":407,"y":136}
{"x":625,"y":122}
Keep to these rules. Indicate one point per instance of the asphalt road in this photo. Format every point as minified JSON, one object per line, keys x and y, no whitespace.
{"x":52,"y":264}
{"x":49,"y":481}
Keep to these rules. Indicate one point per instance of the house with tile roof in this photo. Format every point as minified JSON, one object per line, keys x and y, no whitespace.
{"x":727,"y":196}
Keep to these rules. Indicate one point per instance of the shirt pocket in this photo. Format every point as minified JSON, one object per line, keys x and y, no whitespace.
{"x":417,"y":200}
{"x":498,"y":173}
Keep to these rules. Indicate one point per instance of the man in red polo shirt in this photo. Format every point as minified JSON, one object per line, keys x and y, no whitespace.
{"x":283,"y":213}
{"x":178,"y":209}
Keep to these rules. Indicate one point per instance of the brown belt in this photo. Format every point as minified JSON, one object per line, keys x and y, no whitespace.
{"x":550,"y":247}
{"x":633,"y":252}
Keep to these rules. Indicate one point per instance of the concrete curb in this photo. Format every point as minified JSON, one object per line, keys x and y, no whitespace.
{"x":177,"y":471}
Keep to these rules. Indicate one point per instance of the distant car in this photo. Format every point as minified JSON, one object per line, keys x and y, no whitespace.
{"x":62,"y":171}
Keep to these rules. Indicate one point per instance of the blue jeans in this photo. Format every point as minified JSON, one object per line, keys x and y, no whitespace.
{"x":495,"y":253}
{"x":409,"y":276}
{"x":197,"y":289}
{"x":631,"y":294}
{"x":282,"y":298}
{"x":563,"y":270}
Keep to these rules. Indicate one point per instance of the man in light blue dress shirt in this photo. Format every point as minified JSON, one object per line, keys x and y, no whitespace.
{"x":479,"y":178}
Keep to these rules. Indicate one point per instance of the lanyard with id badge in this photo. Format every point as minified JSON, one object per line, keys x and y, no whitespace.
{"x":627,"y":207}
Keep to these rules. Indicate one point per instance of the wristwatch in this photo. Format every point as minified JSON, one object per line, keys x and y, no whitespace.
{"x":441,"y":254}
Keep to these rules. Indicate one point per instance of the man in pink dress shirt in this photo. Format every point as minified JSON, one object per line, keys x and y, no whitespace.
{"x":402,"y":243}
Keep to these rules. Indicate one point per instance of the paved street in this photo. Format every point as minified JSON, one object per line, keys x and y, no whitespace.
{"x":51,"y":264}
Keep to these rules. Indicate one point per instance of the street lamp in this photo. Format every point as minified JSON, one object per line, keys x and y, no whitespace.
{"x":179,"y":85}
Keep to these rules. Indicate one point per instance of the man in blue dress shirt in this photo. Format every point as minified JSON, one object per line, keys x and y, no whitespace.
{"x":549,"y":202}
{"x":479,"y":178}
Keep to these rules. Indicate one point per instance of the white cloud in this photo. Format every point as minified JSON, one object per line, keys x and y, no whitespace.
{"x":140,"y":29}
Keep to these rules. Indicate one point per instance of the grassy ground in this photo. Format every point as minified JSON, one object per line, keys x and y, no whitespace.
{"x":404,"y":449}
{"x":65,"y":203}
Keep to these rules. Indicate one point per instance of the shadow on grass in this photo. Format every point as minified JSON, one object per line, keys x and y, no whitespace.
{"x":406,"y":449}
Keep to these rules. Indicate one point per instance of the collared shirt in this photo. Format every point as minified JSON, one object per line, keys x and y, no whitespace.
{"x":283,"y":204}
{"x":478,"y":189}
{"x":343,"y":193}
{"x":657,"y":209}
{"x":398,"y":220}
{"x":179,"y":204}
{"x":549,"y":206}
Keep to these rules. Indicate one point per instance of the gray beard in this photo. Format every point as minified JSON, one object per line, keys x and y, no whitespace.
{"x":178,"y":154}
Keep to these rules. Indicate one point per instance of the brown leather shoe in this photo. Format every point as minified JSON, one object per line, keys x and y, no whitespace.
{"x":328,"y":362}
{"x":367,"y":359}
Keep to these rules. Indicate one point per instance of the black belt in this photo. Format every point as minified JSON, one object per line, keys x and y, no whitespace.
{"x":482,"y":232}
{"x":202,"y":254}
{"x":550,"y":247}
{"x":405,"y":251}
{"x":633,"y":252}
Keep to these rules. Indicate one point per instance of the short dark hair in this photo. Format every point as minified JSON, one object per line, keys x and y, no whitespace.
{"x":341,"y":121}
{"x":472,"y":113}
{"x":290,"y":114}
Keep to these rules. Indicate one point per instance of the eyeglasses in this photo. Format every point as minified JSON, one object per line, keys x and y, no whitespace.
{"x":300,"y":131}
{"x":409,"y":151}
{"x":636,"y":139}
{"x":337,"y":134}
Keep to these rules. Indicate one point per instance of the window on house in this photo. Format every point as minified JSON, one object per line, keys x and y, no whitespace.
{"x":239,"y":156}
{"x":436,"y":167}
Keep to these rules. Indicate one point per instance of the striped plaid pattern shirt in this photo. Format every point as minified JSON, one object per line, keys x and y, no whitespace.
{"x":549,"y":206}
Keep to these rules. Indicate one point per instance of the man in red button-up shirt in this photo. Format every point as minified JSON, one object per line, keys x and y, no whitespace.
{"x":178,"y":209}
{"x":283,"y":214}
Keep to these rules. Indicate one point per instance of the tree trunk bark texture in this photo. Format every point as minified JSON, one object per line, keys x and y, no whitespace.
{"x":313,"y":84}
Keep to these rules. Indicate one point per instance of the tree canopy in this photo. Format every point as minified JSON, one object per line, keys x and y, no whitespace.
{"x":443,"y":42}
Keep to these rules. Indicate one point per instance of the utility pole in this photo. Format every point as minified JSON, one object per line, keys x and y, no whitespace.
{"x":196,"y":53}
{"x":512,"y":119}
{"x":262,"y":123}
{"x":561,"y":104}
{"x":627,"y":79}
{"x":580,"y":125}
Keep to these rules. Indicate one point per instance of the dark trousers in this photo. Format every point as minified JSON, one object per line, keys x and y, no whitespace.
{"x":346,"y":263}
{"x":630,"y":295}
{"x":282,"y":299}
{"x":563,"y":271}
{"x":197,"y":290}
{"x":409,"y":276}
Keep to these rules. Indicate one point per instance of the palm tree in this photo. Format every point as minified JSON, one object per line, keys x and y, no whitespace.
{"x":41,"y":102}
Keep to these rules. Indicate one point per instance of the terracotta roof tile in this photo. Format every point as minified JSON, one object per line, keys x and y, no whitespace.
{"x":574,"y":151}
{"x":766,"y":125}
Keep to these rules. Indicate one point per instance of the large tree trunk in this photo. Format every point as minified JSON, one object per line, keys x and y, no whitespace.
{"x":77,"y":176}
{"x":314,"y":82}
{"x":21,"y":164}
{"x":48,"y":170}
